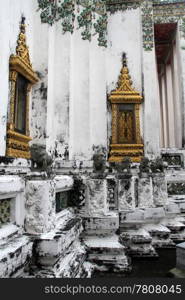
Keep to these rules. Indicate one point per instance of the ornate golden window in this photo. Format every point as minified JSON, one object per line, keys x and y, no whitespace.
{"x":22,"y":77}
{"x":125,"y":103}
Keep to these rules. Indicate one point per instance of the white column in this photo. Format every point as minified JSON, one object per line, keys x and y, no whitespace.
{"x":97,"y":96}
{"x":170,"y":106}
{"x":50,"y":122}
{"x":181,"y":53}
{"x":164,"y":108}
{"x":176,"y":100}
{"x":151,"y":105}
{"x":79,"y":142}
{"x":161,"y":113}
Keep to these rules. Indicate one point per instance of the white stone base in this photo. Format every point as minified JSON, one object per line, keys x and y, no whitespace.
{"x":107,"y":253}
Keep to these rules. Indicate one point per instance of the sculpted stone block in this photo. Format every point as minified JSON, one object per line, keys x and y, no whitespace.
{"x":96,"y":197}
{"x":40,"y":206}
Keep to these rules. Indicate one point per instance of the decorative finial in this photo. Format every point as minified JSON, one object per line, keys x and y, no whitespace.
{"x":124,"y":59}
{"x":23,"y":20}
{"x":22,"y":48}
{"x":124,"y":82}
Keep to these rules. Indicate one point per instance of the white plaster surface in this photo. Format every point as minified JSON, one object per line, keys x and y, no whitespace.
{"x":63,"y":182}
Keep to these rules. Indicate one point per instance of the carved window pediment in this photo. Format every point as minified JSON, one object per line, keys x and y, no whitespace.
{"x":22,"y":77}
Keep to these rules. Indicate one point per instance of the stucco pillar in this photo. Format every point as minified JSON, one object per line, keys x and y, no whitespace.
{"x":50,"y":126}
{"x":169,"y":81}
{"x":181,"y":49}
{"x":97,"y":95}
{"x":151,"y":90}
{"x":79,"y":128}
{"x":165,"y":109}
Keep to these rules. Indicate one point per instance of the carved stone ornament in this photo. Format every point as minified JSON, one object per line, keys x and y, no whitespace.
{"x":125,"y":102}
{"x":18,"y":143}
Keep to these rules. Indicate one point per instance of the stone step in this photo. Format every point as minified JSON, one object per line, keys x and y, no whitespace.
{"x":107,"y":253}
{"x":177,"y":229}
{"x":160,"y":235}
{"x":138,"y":243}
{"x":50,"y":246}
{"x":15,"y":254}
{"x":70,"y":266}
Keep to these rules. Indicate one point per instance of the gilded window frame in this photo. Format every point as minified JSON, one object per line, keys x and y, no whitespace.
{"x":18,"y":143}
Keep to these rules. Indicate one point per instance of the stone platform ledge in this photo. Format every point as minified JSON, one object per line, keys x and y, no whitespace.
{"x":157,"y":229}
{"x":174,"y":225}
{"x":142,"y":251}
{"x":7,"y":232}
{"x":172,"y":209}
{"x":142,"y":216}
{"x":64,"y":182}
{"x":107,"y":254}
{"x":94,"y":224}
{"x":160,"y":236}
{"x":181,"y":205}
{"x":139,"y":236}
{"x":72,"y":265}
{"x":51,"y":246}
{"x":10,"y":184}
{"x":104,"y":243}
{"x":74,"y":165}
{"x":14,"y":255}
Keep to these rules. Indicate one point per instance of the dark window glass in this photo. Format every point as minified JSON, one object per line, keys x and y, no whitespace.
{"x":20,"y":104}
{"x":61,"y":201}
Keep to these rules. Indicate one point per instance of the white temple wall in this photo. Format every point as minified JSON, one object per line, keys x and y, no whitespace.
{"x":124,"y":35}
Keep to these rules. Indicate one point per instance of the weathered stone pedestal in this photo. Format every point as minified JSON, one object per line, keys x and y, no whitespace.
{"x":145,"y":191}
{"x":58,"y":252}
{"x":96,"y":197}
{"x":103,"y":247}
{"x":161,"y":236}
{"x":15,"y":247}
{"x":107,"y":254}
{"x":126,"y":192}
{"x":40,"y":206}
{"x":173,"y":222}
{"x":15,"y":252}
{"x":160,"y":195}
{"x":138,"y":243}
